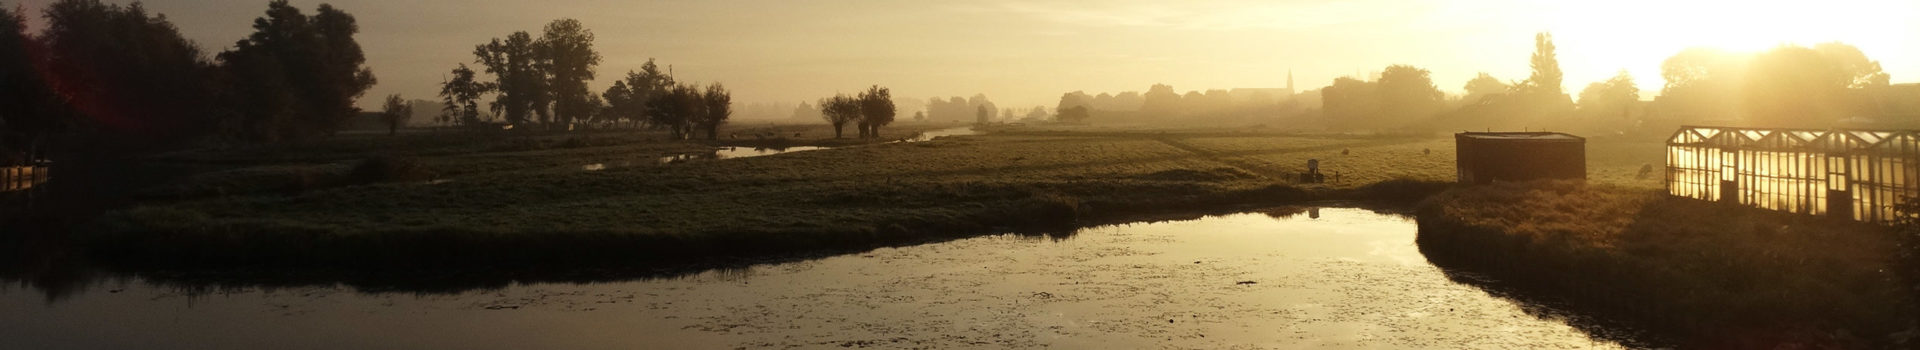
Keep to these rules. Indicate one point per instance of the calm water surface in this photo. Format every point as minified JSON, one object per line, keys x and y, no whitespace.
{"x":1335,"y":278}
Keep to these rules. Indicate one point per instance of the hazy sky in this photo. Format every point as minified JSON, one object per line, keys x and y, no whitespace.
{"x":1026,"y":53}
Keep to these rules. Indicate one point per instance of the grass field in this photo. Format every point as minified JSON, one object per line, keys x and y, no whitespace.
{"x":514,"y":199}
{"x":455,"y":199}
{"x":1698,"y":274}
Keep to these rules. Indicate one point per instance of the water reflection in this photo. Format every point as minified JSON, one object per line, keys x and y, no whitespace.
{"x":934,"y":134}
{"x":735,"y":152}
{"x":1349,"y":278}
{"x":732,"y":152}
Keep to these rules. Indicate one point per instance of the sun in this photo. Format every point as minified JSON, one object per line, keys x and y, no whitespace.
{"x":1598,"y":38}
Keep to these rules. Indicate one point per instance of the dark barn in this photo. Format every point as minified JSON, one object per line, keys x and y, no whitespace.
{"x":1487,"y":157}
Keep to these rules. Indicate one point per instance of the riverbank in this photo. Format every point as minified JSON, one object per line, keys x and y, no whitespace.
{"x":1693,"y":273}
{"x":604,"y":202}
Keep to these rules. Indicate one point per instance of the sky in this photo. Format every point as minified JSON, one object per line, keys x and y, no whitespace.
{"x":1027,"y":53}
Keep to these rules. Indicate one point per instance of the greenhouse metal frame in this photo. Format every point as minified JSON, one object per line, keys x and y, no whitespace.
{"x":1855,"y":174}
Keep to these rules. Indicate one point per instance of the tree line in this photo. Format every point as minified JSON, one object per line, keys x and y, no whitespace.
{"x":542,"y":81}
{"x":105,"y":79}
{"x":1824,"y":85}
{"x":1162,"y":102}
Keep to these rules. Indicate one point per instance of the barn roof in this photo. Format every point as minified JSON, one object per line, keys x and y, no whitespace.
{"x":1522,"y":136}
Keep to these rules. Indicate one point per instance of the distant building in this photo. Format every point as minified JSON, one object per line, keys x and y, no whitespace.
{"x":1854,"y":174}
{"x":1488,"y":157}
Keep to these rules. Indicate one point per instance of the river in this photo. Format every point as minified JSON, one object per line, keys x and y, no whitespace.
{"x":1322,"y":278}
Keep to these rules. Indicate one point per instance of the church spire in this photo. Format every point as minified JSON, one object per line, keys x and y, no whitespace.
{"x":1290,"y":81}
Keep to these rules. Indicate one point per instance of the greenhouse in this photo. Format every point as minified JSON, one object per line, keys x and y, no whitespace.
{"x":1855,"y":174}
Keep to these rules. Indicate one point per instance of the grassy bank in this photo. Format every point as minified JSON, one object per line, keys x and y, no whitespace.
{"x":490,"y":207}
{"x":1694,"y":273}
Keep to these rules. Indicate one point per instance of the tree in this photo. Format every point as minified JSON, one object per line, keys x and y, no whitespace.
{"x":519,"y":76}
{"x":805,"y":112}
{"x":919,"y":116}
{"x":1861,"y":72}
{"x":1616,"y":94}
{"x":980,"y":115}
{"x":628,"y":98}
{"x":1546,"y":78}
{"x":29,"y":112}
{"x":677,"y":110}
{"x":1160,"y":100}
{"x":717,"y":107}
{"x":1075,"y":114}
{"x":1795,"y":86}
{"x":876,"y":110}
{"x":1037,"y":113}
{"x":1074,"y":99}
{"x":1407,"y":94}
{"x":462,"y":96}
{"x":297,"y":75}
{"x":1484,"y":85}
{"x":395,"y":112}
{"x":134,"y":83}
{"x":1350,"y":102}
{"x":838,"y":111}
{"x":566,"y":47}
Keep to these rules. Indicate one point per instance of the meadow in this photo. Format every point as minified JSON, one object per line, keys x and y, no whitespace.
{"x":1693,"y":273}
{"x":471,"y":201}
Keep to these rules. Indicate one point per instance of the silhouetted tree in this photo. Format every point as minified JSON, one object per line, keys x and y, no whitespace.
{"x":981,"y":101}
{"x":980,"y":115}
{"x":628,"y":98}
{"x":920,"y":116}
{"x":298,"y":75}
{"x":1160,"y":101}
{"x":1407,"y":94}
{"x":1484,"y":85}
{"x":567,"y":49}
{"x":1074,"y":99}
{"x":462,"y":96}
{"x":1862,"y":72}
{"x":677,"y":109}
{"x":1785,"y":86}
{"x":1795,"y":86}
{"x":395,"y":112}
{"x":1546,"y":78}
{"x":1075,"y":114}
{"x":29,"y":112}
{"x":1350,"y":102}
{"x":805,"y":112}
{"x":1614,"y":96}
{"x":1037,"y":113}
{"x":838,"y":111}
{"x":717,"y":107}
{"x":1700,"y":84}
{"x":519,"y":76}
{"x":135,"y":84}
{"x":876,"y":110}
